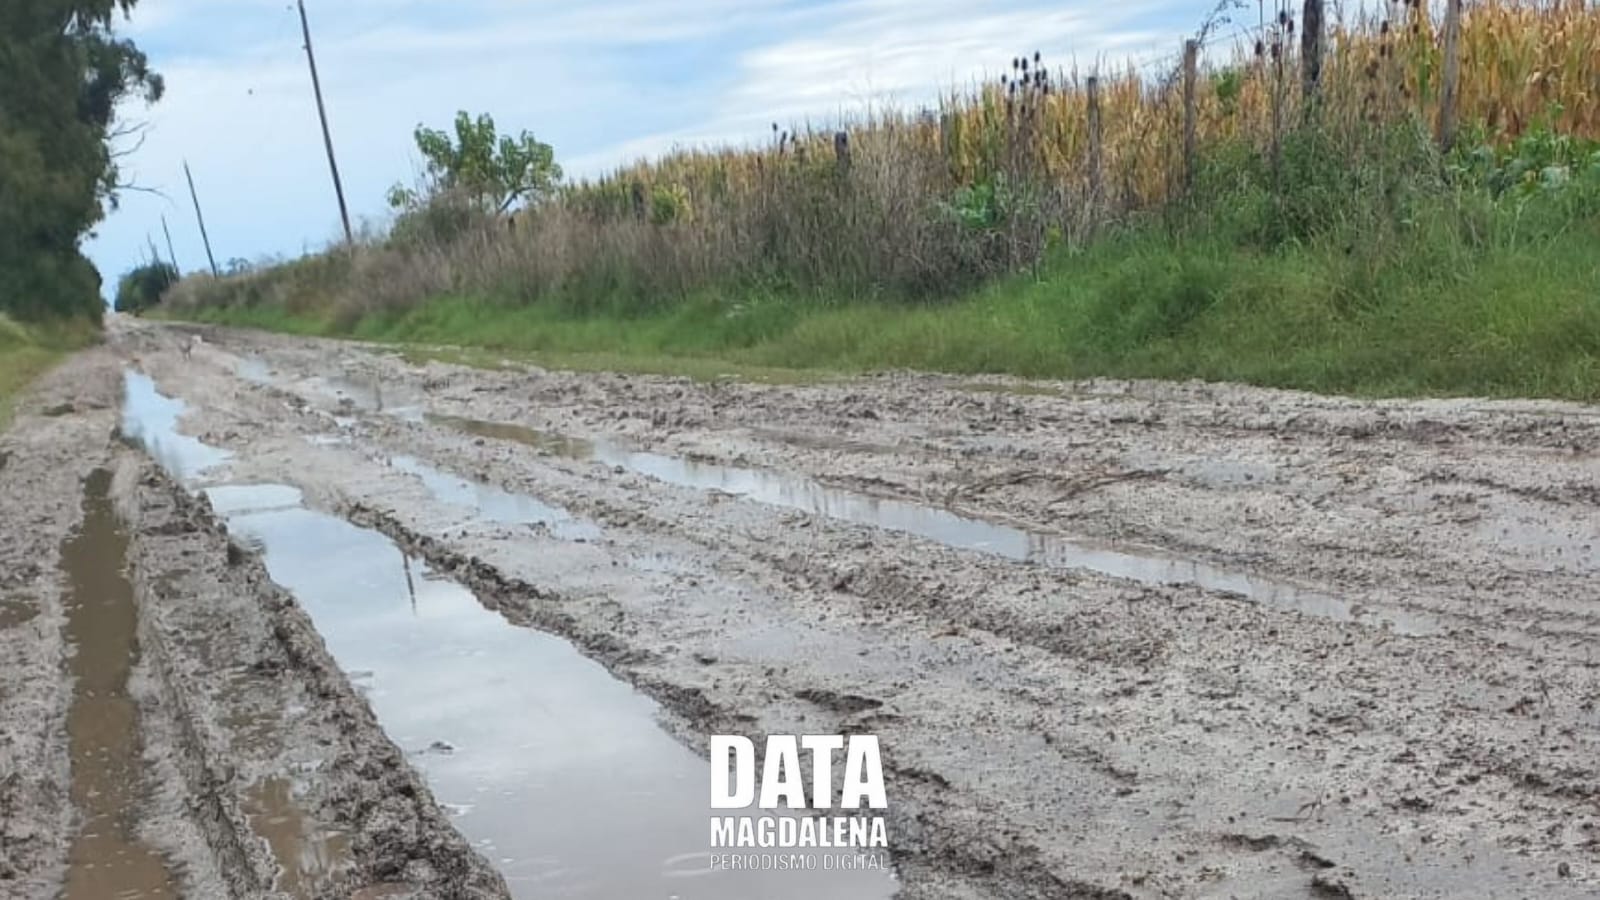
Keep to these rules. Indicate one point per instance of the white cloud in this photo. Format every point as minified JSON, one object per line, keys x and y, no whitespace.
{"x":901,"y":53}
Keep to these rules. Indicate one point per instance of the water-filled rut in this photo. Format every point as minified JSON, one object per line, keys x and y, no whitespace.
{"x":559,"y":773}
{"x":1146,"y":565}
{"x":107,"y":858}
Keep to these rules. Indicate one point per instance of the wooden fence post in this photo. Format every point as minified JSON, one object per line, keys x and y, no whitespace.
{"x":636,"y":191}
{"x":1452,"y":72}
{"x":1310,"y":55}
{"x":841,"y":152}
{"x":1191,"y":55}
{"x":1096,"y":185}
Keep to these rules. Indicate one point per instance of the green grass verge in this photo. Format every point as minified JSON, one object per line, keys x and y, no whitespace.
{"x":264,"y":317}
{"x":1503,"y":319}
{"x":26,"y":351}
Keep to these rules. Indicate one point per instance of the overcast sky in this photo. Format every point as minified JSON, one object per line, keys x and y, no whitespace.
{"x":604,"y":81}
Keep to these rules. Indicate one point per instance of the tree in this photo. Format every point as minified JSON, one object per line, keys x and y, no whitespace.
{"x":142,"y":288}
{"x":490,"y":172}
{"x":62,"y":74}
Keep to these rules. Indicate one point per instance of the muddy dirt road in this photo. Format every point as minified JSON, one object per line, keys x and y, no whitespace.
{"x":394,"y":629}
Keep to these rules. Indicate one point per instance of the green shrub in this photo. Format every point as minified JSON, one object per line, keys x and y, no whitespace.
{"x":143,"y":287}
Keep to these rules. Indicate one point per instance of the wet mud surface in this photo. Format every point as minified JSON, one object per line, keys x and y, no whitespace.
{"x":173,"y":726}
{"x":1117,"y":639}
{"x":106,"y":857}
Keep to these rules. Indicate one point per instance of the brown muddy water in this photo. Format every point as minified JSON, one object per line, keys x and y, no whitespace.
{"x":309,"y":859}
{"x":16,"y":612}
{"x":106,"y":859}
{"x":1144,"y":565}
{"x":559,"y":773}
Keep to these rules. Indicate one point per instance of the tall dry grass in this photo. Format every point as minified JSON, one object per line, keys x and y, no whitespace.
{"x":919,"y":205}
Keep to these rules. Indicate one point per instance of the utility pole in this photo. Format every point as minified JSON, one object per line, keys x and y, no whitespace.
{"x":322,"y":113}
{"x":171,"y":254}
{"x":199,"y":217}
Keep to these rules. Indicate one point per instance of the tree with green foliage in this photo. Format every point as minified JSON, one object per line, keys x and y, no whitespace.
{"x":142,"y":287}
{"x":62,"y":73}
{"x":489,"y":171}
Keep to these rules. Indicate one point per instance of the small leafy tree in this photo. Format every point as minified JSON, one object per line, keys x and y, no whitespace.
{"x":490,"y":172}
{"x":142,"y":287}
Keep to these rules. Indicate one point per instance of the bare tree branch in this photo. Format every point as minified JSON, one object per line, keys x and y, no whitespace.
{"x":141,"y":189}
{"x":117,"y":153}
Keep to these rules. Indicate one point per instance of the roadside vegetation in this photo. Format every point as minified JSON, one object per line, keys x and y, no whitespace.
{"x":27,"y":351}
{"x":1326,"y":227}
{"x":141,"y":288}
{"x":63,"y":72}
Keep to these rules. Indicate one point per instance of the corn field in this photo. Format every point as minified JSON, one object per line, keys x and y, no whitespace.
{"x":1523,"y":64}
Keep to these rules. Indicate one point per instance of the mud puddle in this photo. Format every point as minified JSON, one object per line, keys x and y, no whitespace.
{"x":948,"y":528}
{"x":308,"y":858}
{"x":254,"y":369}
{"x":494,"y":504}
{"x":368,"y":394}
{"x":151,"y":419}
{"x":350,"y":393}
{"x":308,"y":861}
{"x":106,"y":859}
{"x":557,"y":771}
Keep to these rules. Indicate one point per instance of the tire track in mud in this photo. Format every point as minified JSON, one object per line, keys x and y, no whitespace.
{"x":940,"y":855}
{"x":288,"y":760}
{"x":1401,"y":738}
{"x":142,"y":765}
{"x":103,"y":722}
{"x":491,"y":817}
{"x":1385,"y":556}
{"x":952,"y":854}
{"x":47,"y":459}
{"x":971,"y":851}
